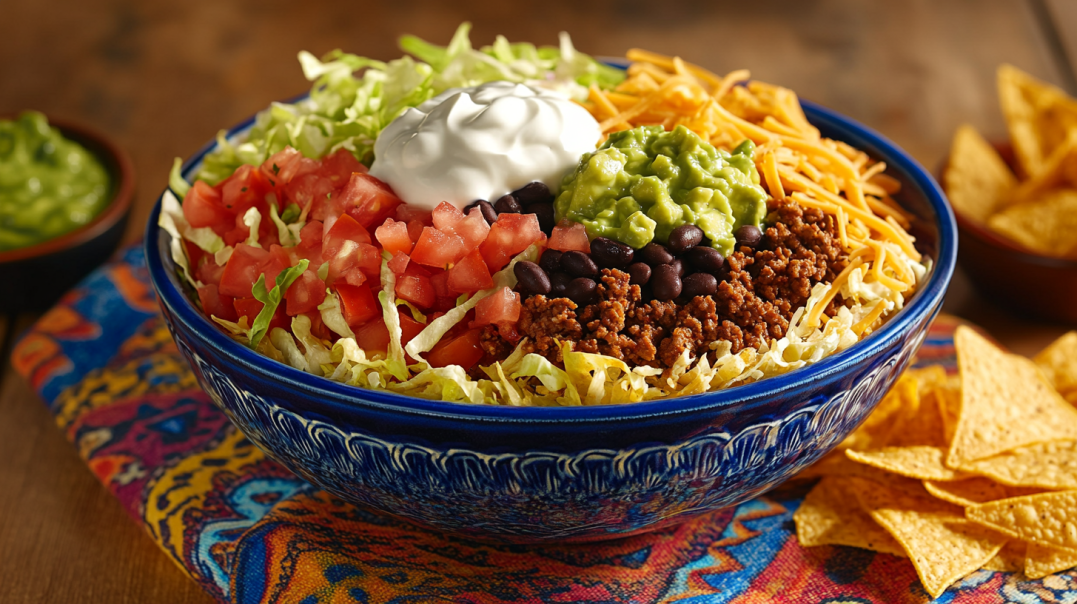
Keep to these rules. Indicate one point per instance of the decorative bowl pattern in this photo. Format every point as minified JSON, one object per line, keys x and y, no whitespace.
{"x":576,"y":474}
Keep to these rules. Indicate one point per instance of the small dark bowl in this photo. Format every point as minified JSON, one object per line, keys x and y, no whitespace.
{"x":1013,"y":276}
{"x":37,"y":275}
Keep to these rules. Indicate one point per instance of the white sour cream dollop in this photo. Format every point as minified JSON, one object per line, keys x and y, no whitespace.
{"x":481,"y":143}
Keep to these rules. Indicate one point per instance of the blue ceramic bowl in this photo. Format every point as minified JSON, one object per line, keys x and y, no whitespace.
{"x":529,"y":474}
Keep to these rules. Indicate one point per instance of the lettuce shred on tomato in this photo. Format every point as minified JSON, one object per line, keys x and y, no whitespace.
{"x":353,"y":98}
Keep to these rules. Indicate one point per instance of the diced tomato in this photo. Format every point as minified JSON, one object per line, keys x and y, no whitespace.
{"x":473,"y":229}
{"x":208,"y":271}
{"x":507,"y":331}
{"x":342,"y":230}
{"x":407,"y":213}
{"x":338,"y":167}
{"x":310,"y":243}
{"x":415,"y":230}
{"x":271,"y":268}
{"x":440,"y":281}
{"x":399,"y":263}
{"x":304,"y":294}
{"x":464,"y":350}
{"x":374,"y":336}
{"x":500,"y":306}
{"x":369,"y":261}
{"x":445,"y":216}
{"x":568,"y":236}
{"x":415,"y":287}
{"x":470,"y":274}
{"x":284,"y":165}
{"x":436,"y":248}
{"x":510,"y":235}
{"x":244,"y":189}
{"x":202,"y":208}
{"x":216,"y":305}
{"x":368,"y":200}
{"x":393,"y":237}
{"x":357,"y":304}
{"x":286,"y":255}
{"x":242,"y":270}
{"x":309,"y":188}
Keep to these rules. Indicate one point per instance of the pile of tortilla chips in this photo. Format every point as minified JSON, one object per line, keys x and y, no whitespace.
{"x":1039,"y":211}
{"x":958,"y":473}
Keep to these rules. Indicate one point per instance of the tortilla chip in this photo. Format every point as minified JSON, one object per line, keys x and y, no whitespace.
{"x":1046,"y":225}
{"x":1009,"y":559}
{"x":948,"y":400}
{"x":1047,"y":518}
{"x":831,"y":515}
{"x":1038,"y":115}
{"x":1059,"y":362}
{"x":1005,"y":403}
{"x":921,"y":462}
{"x":1050,"y":465}
{"x":837,"y":464}
{"x":880,"y":427}
{"x":970,"y":491}
{"x":920,"y":422}
{"x":941,"y":543}
{"x":976,"y":179}
{"x":1041,"y":560}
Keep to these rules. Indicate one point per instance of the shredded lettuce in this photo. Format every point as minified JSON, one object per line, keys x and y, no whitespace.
{"x":353,"y":98}
{"x":175,"y":179}
{"x":253,"y":219}
{"x":271,"y":299}
{"x":332,"y":315}
{"x":387,"y":297}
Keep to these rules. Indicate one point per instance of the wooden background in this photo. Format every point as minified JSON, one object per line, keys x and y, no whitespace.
{"x":162,"y":77}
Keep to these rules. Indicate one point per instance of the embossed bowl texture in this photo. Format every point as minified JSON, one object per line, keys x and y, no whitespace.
{"x":566,"y":474}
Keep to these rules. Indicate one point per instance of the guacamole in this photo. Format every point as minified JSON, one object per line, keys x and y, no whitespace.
{"x":643,"y":183}
{"x":48,"y":184}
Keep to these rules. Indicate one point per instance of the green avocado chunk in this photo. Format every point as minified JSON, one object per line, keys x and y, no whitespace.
{"x":643,"y":183}
{"x":49,"y":185}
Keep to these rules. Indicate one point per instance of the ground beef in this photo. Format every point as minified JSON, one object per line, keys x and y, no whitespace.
{"x":756,"y":298}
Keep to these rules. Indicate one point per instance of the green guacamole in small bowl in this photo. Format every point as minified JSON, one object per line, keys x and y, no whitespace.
{"x":49,"y":185}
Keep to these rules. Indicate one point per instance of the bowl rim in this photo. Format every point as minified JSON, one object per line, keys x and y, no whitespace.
{"x":347,"y":399}
{"x":122,"y":196}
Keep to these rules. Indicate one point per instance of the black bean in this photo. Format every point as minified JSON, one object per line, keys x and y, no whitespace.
{"x":748,"y":235}
{"x":678,"y":266}
{"x":581,"y":290}
{"x":665,"y":283}
{"x":533,"y":193}
{"x":706,"y":259}
{"x":639,"y":272}
{"x":507,"y":204}
{"x":608,"y":253}
{"x":578,"y":264}
{"x":544,"y":213}
{"x":558,"y":282}
{"x":488,"y":211}
{"x":684,"y":238}
{"x":532,"y":277}
{"x":699,"y":284}
{"x":550,"y":261}
{"x":654,"y":254}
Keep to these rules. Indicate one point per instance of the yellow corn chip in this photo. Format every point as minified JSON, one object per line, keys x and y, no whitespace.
{"x":1050,"y":465}
{"x":970,"y":491}
{"x":880,"y":427}
{"x":948,"y":401}
{"x":1038,"y":116}
{"x":1009,"y":559}
{"x":1041,"y":560}
{"x":1059,"y":362}
{"x":920,"y":422}
{"x":1047,"y":518}
{"x":1046,"y":225}
{"x":837,"y":464}
{"x":920,"y":462}
{"x":1005,"y":403}
{"x":941,"y":543}
{"x":831,"y":515}
{"x":976,"y":179}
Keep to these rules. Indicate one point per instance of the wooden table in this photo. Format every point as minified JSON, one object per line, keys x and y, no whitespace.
{"x":162,"y":77}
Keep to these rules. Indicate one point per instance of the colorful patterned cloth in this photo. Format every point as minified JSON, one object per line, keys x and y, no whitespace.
{"x":249,"y":531}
